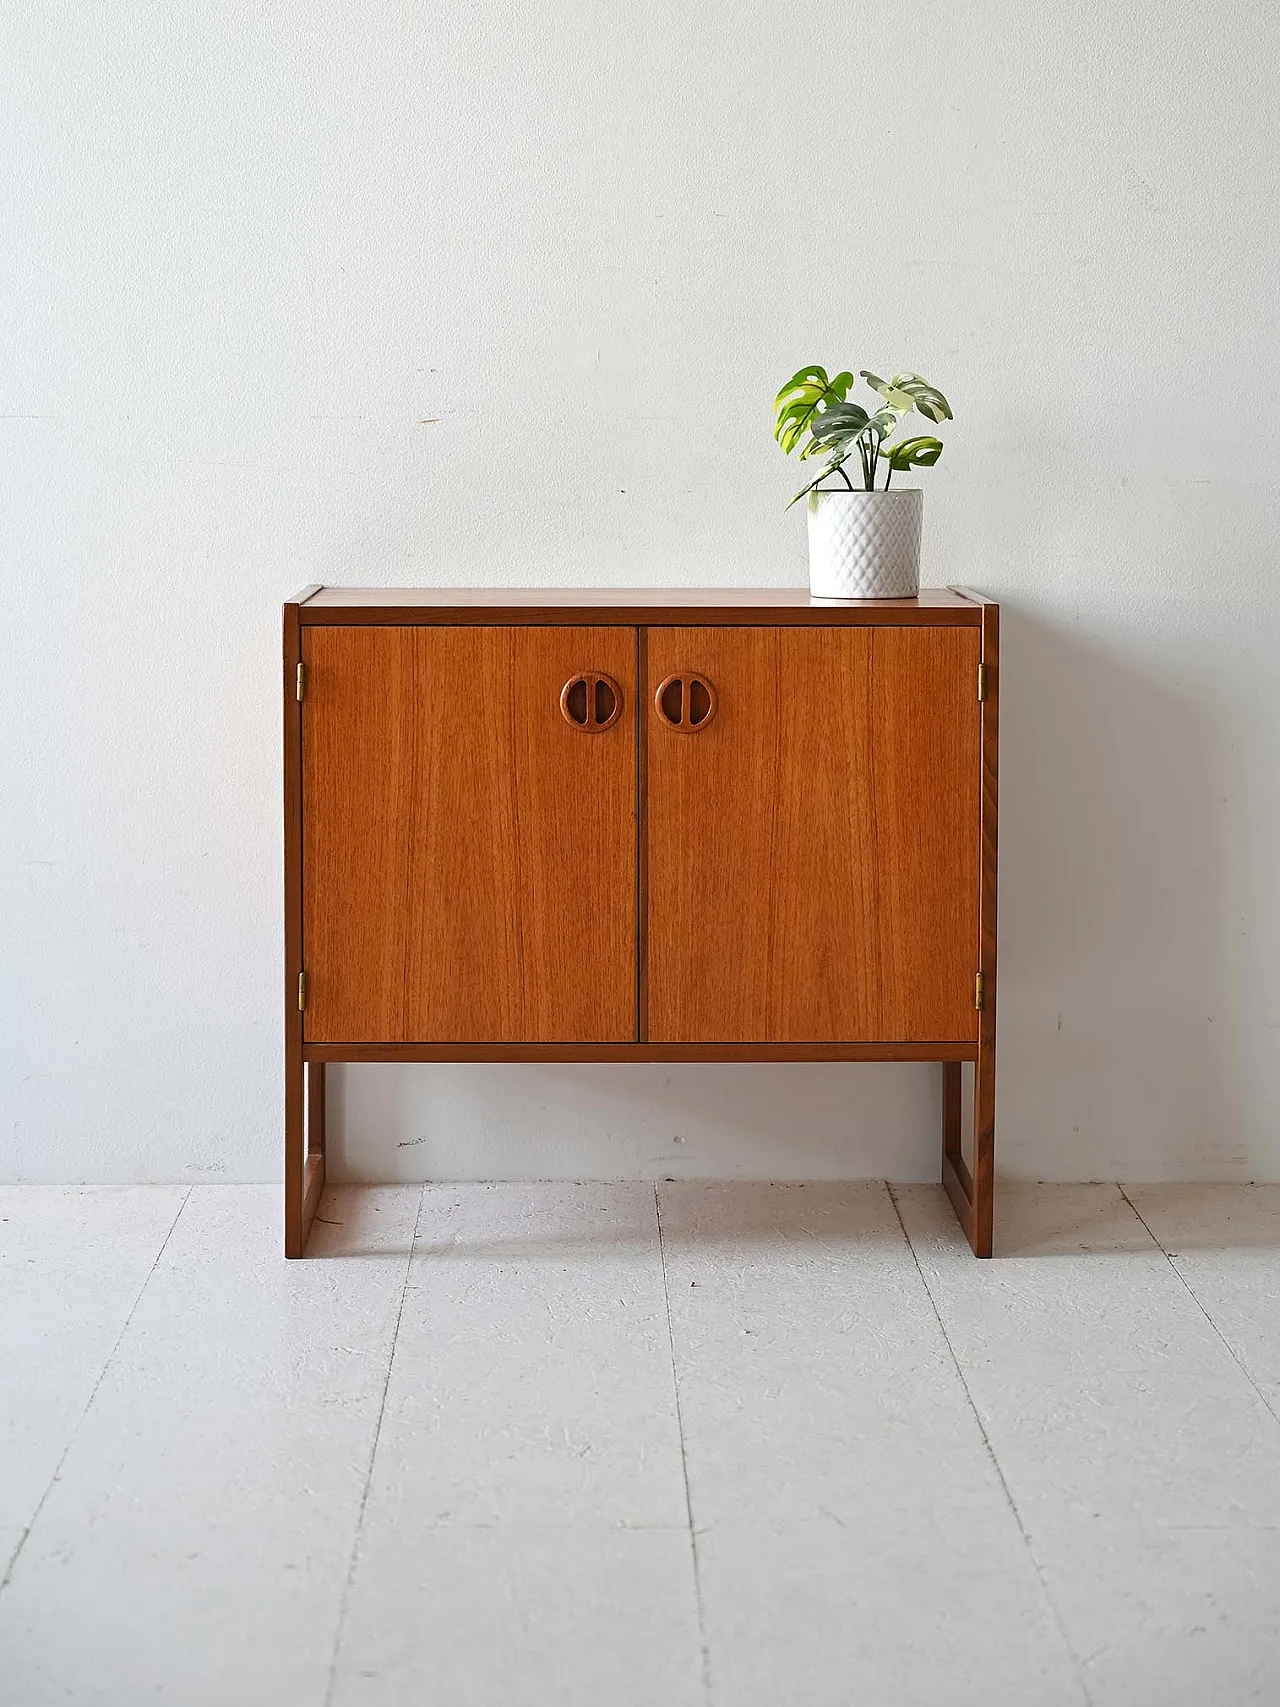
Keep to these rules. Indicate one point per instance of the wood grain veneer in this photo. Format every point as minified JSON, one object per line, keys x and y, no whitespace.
{"x":812,"y":868}
{"x":469,"y":856}
{"x":761,"y":840}
{"x":924,"y":758}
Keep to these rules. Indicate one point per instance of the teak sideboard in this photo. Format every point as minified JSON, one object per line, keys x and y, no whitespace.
{"x":654,"y":825}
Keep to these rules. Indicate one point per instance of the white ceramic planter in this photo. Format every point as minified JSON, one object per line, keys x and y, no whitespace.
{"x":865,"y":545}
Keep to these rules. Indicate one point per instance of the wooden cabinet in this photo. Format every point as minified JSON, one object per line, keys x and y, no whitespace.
{"x":650,"y":825}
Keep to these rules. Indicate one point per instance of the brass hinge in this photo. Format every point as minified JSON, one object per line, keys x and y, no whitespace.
{"x":982,"y":683}
{"x":978,"y":991}
{"x":302,"y":681}
{"x":302,"y":991}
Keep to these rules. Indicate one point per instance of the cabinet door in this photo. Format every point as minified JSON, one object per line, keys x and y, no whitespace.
{"x":812,"y":842}
{"x":469,"y":849}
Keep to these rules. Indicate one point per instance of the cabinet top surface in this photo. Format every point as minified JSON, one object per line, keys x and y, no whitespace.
{"x":626,"y":604}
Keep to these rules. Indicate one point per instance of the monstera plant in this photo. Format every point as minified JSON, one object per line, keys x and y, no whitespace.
{"x":864,"y":541}
{"x":815,"y":414}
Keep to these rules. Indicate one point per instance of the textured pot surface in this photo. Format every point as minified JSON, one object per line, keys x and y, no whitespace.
{"x":865,"y":545}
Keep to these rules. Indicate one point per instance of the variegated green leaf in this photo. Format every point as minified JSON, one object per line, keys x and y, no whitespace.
{"x":836,"y":428}
{"x":807,"y":376}
{"x":920,"y":452}
{"x":803,"y":399}
{"x":792,"y":424}
{"x":884,"y":421}
{"x":915,"y":390}
{"x":845,"y":422}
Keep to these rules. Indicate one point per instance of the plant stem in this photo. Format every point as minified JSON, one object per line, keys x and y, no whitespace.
{"x":839,"y":469}
{"x":888,"y":475}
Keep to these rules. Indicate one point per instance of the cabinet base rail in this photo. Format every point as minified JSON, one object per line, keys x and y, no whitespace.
{"x":640,"y":1052}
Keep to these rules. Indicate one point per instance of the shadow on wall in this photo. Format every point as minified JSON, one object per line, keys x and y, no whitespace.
{"x":1118,"y":1055}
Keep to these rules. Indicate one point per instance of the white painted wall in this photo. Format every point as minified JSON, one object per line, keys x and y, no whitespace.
{"x":245,"y":249}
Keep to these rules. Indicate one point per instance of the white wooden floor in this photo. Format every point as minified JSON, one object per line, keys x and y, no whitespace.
{"x":597,"y":1446}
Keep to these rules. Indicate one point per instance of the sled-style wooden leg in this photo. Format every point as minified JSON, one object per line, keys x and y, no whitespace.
{"x":972,"y":1191}
{"x":304,"y":1152}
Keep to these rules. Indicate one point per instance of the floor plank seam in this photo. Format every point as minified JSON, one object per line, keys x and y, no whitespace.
{"x":1191,"y":1293}
{"x":684,"y":1459}
{"x":354,"y":1561}
{"x":1049,"y":1600}
{"x":88,"y":1404}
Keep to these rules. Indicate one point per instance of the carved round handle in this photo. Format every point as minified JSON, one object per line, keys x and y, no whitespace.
{"x":591,"y":702}
{"x":685,"y":702}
